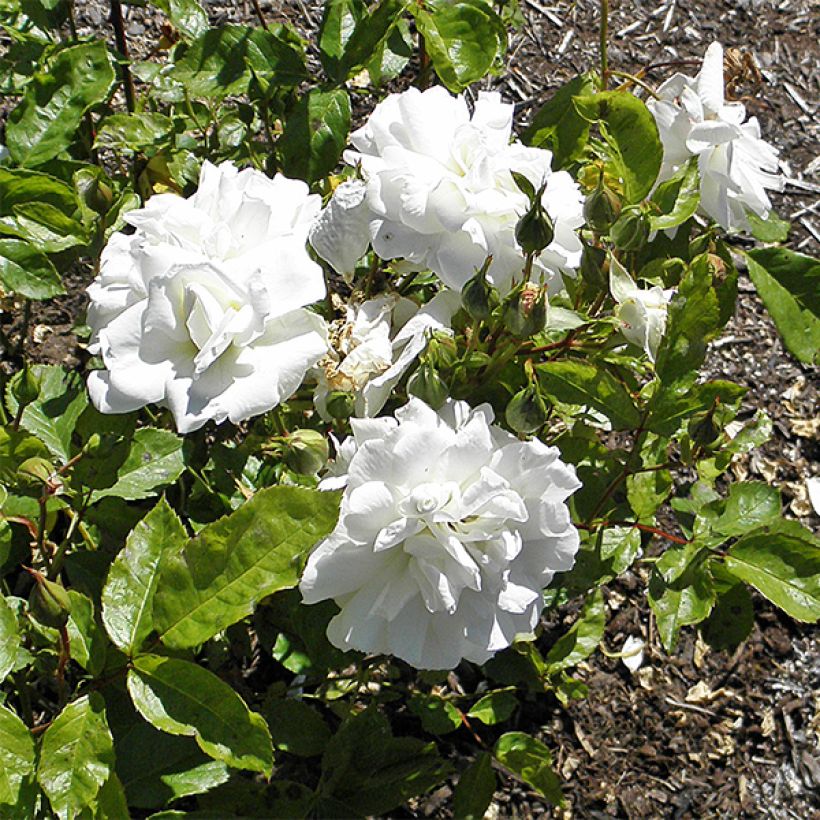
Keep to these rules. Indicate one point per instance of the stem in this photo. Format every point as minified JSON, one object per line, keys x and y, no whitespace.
{"x":643,"y":527}
{"x":122,"y":47}
{"x":604,"y":38}
{"x":258,"y":11}
{"x":636,"y":81}
{"x":21,"y":341}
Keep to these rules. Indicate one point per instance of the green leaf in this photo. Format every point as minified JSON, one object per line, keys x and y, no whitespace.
{"x":155,"y":460}
{"x":789,"y":284}
{"x":134,"y":132}
{"x":475,"y":789}
{"x":494,"y":707}
{"x":187,"y":16}
{"x":367,"y":771}
{"x":686,"y":597}
{"x":783,"y":563}
{"x":392,"y":54}
{"x":48,"y":118}
{"x":128,"y":594}
{"x":235,"y":562}
{"x":46,"y":226}
{"x":111,"y":801}
{"x":182,"y":698}
{"x":16,"y":755}
{"x":583,"y":638}
{"x":86,"y":638}
{"x":558,"y":126}
{"x":438,"y":716}
{"x":575,"y":382}
{"x":15,"y":447}
{"x":631,"y":136}
{"x":27,"y":271}
{"x":749,"y":505}
{"x":463,"y":39}
{"x":531,"y":761}
{"x":54,"y":414}
{"x":77,"y":756}
{"x":218,"y":63}
{"x":677,"y":199}
{"x":771,"y":229}
{"x":676,"y":403}
{"x":296,"y":727}
{"x":732,"y":617}
{"x":9,"y":638}
{"x":315,"y":134}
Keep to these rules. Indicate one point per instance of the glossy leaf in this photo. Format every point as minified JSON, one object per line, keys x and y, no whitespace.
{"x":27,"y":271}
{"x":87,"y":640}
{"x":771,"y":229}
{"x":576,"y":382}
{"x":182,"y":698}
{"x":475,"y":789}
{"x":155,"y":460}
{"x":315,"y":134}
{"x":531,"y":761}
{"x":494,"y":707}
{"x":187,"y":16}
{"x":782,"y":563}
{"x":16,"y":755}
{"x":749,"y":505}
{"x":583,"y":638}
{"x":77,"y":756}
{"x":128,"y":594}
{"x":46,"y":121}
{"x":438,"y":716}
{"x":9,"y":638}
{"x":676,"y":199}
{"x":235,"y":562}
{"x":134,"y":132}
{"x":789,"y":284}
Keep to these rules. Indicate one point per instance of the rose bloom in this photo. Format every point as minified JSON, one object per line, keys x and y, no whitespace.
{"x":438,"y":192}
{"x":201,"y":309}
{"x":376,"y":344}
{"x":642,"y":313}
{"x":736,"y":166}
{"x":449,"y":530}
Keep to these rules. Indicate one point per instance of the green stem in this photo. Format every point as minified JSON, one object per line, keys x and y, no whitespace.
{"x":637,"y":81}
{"x":604,"y":38}
{"x":122,"y":47}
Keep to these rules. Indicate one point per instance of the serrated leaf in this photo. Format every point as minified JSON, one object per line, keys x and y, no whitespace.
{"x":583,"y":637}
{"x":235,"y":562}
{"x":187,"y":16}
{"x":557,"y":125}
{"x":154,"y":461}
{"x":16,"y":755}
{"x":750,"y":504}
{"x":9,"y":638}
{"x":475,"y":789}
{"x":133,"y":132}
{"x":782,"y":563}
{"x":531,"y":761}
{"x":47,"y":119}
{"x":86,"y":638}
{"x":182,"y":698}
{"x":315,"y":134}
{"x":788,"y":284}
{"x":631,"y":135}
{"x":128,"y":594}
{"x":463,"y":39}
{"x":676,"y":199}
{"x":77,"y":756}
{"x":576,"y":382}
{"x":676,"y":403}
{"x":27,"y":271}
{"x":494,"y":707}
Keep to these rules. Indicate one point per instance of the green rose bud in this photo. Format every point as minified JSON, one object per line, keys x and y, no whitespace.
{"x":601,"y":208}
{"x":48,"y":602}
{"x":526,"y":411}
{"x":307,"y":452}
{"x":95,"y":194}
{"x":25,"y":387}
{"x":340,"y":405}
{"x":631,"y":231}
{"x":525,"y":311}
{"x":478,"y":297}
{"x":592,"y":267}
{"x":37,"y":470}
{"x":535,"y":230}
{"x":428,"y":386}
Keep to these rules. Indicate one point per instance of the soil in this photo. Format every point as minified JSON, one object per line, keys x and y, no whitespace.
{"x":699,"y":734}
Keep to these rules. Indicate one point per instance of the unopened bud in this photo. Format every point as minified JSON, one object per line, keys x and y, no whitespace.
{"x":428,"y":386}
{"x":535,"y":230}
{"x":307,"y":452}
{"x":526,"y":411}
{"x":36,"y":470}
{"x":48,"y":602}
{"x":478,"y":296}
{"x":25,"y":386}
{"x":525,"y":311}
{"x":631,"y":231}
{"x":601,"y":208}
{"x":96,"y":194}
{"x":593,"y":261}
{"x":340,"y":404}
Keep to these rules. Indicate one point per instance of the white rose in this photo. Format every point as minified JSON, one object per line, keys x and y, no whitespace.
{"x":736,"y":166}
{"x":642,"y":313}
{"x":438,"y":192}
{"x":449,"y":530}
{"x":376,"y":344}
{"x":201,"y":308}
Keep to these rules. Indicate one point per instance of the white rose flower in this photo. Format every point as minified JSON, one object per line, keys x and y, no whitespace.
{"x":736,"y":166}
{"x":438,"y":192}
{"x":642,"y":313}
{"x":201,"y":308}
{"x":449,"y":530}
{"x":373,"y":348}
